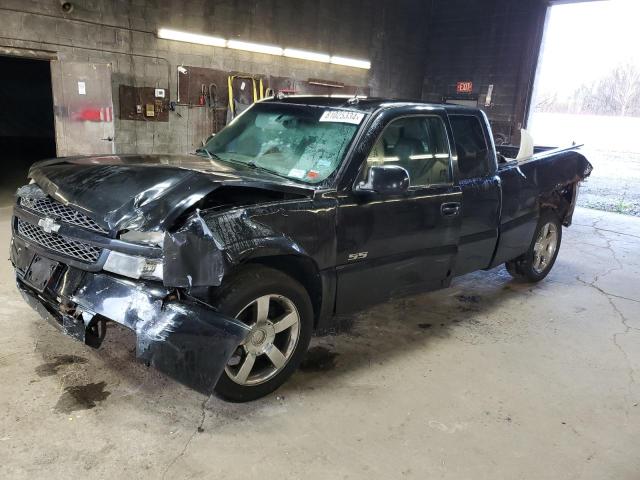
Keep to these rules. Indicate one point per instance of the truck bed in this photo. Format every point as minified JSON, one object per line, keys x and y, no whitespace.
{"x":549,"y":177}
{"x":511,"y":151}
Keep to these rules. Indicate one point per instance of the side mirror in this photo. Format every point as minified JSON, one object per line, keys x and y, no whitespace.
{"x":386,"y":180}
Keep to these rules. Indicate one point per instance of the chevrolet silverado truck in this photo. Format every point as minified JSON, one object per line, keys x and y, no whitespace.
{"x":224,"y":262}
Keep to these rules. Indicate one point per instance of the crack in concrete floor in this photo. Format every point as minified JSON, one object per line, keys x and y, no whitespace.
{"x":623,"y":319}
{"x":198,"y":429}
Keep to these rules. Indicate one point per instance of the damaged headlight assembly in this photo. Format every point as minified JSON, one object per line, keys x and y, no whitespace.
{"x":133,"y":266}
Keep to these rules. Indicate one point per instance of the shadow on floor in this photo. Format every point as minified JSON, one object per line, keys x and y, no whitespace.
{"x":371,"y":338}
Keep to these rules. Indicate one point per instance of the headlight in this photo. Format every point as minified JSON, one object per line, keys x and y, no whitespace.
{"x":145,"y":238}
{"x":134,"y":267}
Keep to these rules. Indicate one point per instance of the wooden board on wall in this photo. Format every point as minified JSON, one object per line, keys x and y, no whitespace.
{"x":142,"y":104}
{"x":200,"y":87}
{"x":197,"y":82}
{"x":312,"y":87}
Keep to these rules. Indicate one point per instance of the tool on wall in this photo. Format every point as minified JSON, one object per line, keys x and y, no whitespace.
{"x":212,"y":95}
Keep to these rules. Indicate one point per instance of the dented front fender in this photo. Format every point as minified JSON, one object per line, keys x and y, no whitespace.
{"x":209,"y":244}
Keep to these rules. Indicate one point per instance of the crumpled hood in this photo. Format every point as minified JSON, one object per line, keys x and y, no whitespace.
{"x":141,"y":192}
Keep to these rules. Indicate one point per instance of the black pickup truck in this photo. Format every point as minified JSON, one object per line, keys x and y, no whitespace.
{"x":224,"y":262}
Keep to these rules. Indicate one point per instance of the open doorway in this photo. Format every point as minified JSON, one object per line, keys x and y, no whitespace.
{"x":27,"y":131}
{"x":587,"y":91}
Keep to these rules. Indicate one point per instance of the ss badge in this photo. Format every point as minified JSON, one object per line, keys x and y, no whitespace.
{"x":357,"y":256}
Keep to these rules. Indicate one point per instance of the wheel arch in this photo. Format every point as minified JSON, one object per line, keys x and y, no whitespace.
{"x":301,"y":268}
{"x":562,"y":201}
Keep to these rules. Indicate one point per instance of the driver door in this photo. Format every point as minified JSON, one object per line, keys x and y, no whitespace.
{"x":391,"y":245}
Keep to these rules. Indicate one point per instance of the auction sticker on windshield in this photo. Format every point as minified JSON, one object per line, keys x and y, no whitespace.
{"x":342,"y":116}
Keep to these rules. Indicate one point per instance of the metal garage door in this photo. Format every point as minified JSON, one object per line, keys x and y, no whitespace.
{"x":83,"y":108}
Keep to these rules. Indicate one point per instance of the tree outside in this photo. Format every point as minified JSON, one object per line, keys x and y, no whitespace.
{"x":616,"y":93}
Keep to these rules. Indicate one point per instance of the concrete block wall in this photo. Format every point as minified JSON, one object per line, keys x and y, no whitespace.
{"x":488,"y":42}
{"x":123,"y":33}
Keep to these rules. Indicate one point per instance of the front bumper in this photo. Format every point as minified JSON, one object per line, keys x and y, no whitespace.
{"x":182,"y":337}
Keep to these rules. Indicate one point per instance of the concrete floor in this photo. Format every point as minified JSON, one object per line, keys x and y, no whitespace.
{"x":490,"y":379}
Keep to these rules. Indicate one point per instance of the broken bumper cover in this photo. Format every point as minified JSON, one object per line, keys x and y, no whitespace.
{"x":185,"y":339}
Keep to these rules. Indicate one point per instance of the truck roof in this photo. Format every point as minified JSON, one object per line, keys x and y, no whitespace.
{"x":368,"y":104}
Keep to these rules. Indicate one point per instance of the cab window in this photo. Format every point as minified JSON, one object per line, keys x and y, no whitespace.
{"x":419,"y":145}
{"x":471,"y":146}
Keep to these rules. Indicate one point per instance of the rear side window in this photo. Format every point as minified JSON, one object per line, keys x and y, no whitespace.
{"x":419,"y":145}
{"x":473,"y":153}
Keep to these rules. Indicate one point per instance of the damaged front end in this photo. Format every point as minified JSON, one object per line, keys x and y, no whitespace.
{"x":182,"y":337}
{"x":123,"y":240}
{"x":65,"y":270}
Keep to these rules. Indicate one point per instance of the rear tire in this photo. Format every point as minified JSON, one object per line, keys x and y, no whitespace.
{"x":537,"y":262}
{"x":263,"y":297}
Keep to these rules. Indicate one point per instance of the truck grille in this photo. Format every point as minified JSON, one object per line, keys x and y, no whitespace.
{"x":50,"y":208}
{"x":59,"y":244}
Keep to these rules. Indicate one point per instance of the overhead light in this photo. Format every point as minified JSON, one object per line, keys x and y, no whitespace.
{"x":351,"y":62}
{"x":191,"y":37}
{"x":254,"y":47}
{"x":304,"y":55}
{"x":170,"y":34}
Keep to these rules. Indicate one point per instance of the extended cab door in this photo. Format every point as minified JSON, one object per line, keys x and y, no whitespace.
{"x":388,"y":245}
{"x":475,"y":170}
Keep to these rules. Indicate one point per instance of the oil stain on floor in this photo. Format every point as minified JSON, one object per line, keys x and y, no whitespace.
{"x":469,"y":303}
{"x":51,"y":368}
{"x":81,"y":397}
{"x":468,"y":298}
{"x":318,"y":359}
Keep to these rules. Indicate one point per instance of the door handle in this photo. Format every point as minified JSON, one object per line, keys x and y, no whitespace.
{"x":450,"y":209}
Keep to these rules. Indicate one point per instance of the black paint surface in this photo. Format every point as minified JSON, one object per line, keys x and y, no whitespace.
{"x":349,"y":249}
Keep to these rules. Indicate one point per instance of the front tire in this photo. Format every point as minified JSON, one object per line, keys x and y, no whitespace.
{"x":280,"y":314}
{"x":537,"y":262}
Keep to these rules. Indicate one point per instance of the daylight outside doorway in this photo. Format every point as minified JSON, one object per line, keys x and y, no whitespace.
{"x":587,"y":90}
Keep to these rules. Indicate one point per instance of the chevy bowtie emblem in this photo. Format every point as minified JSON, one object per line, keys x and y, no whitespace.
{"x":49,"y":225}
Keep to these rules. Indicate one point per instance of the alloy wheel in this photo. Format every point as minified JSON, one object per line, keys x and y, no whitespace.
{"x":275,"y":327}
{"x":545,"y":247}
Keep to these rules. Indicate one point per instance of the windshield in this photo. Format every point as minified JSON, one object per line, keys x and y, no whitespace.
{"x":301,"y":142}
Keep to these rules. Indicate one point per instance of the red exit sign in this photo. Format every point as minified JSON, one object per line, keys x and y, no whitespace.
{"x":464,"y":87}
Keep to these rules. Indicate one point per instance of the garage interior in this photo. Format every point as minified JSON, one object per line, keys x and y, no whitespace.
{"x":490,"y":378}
